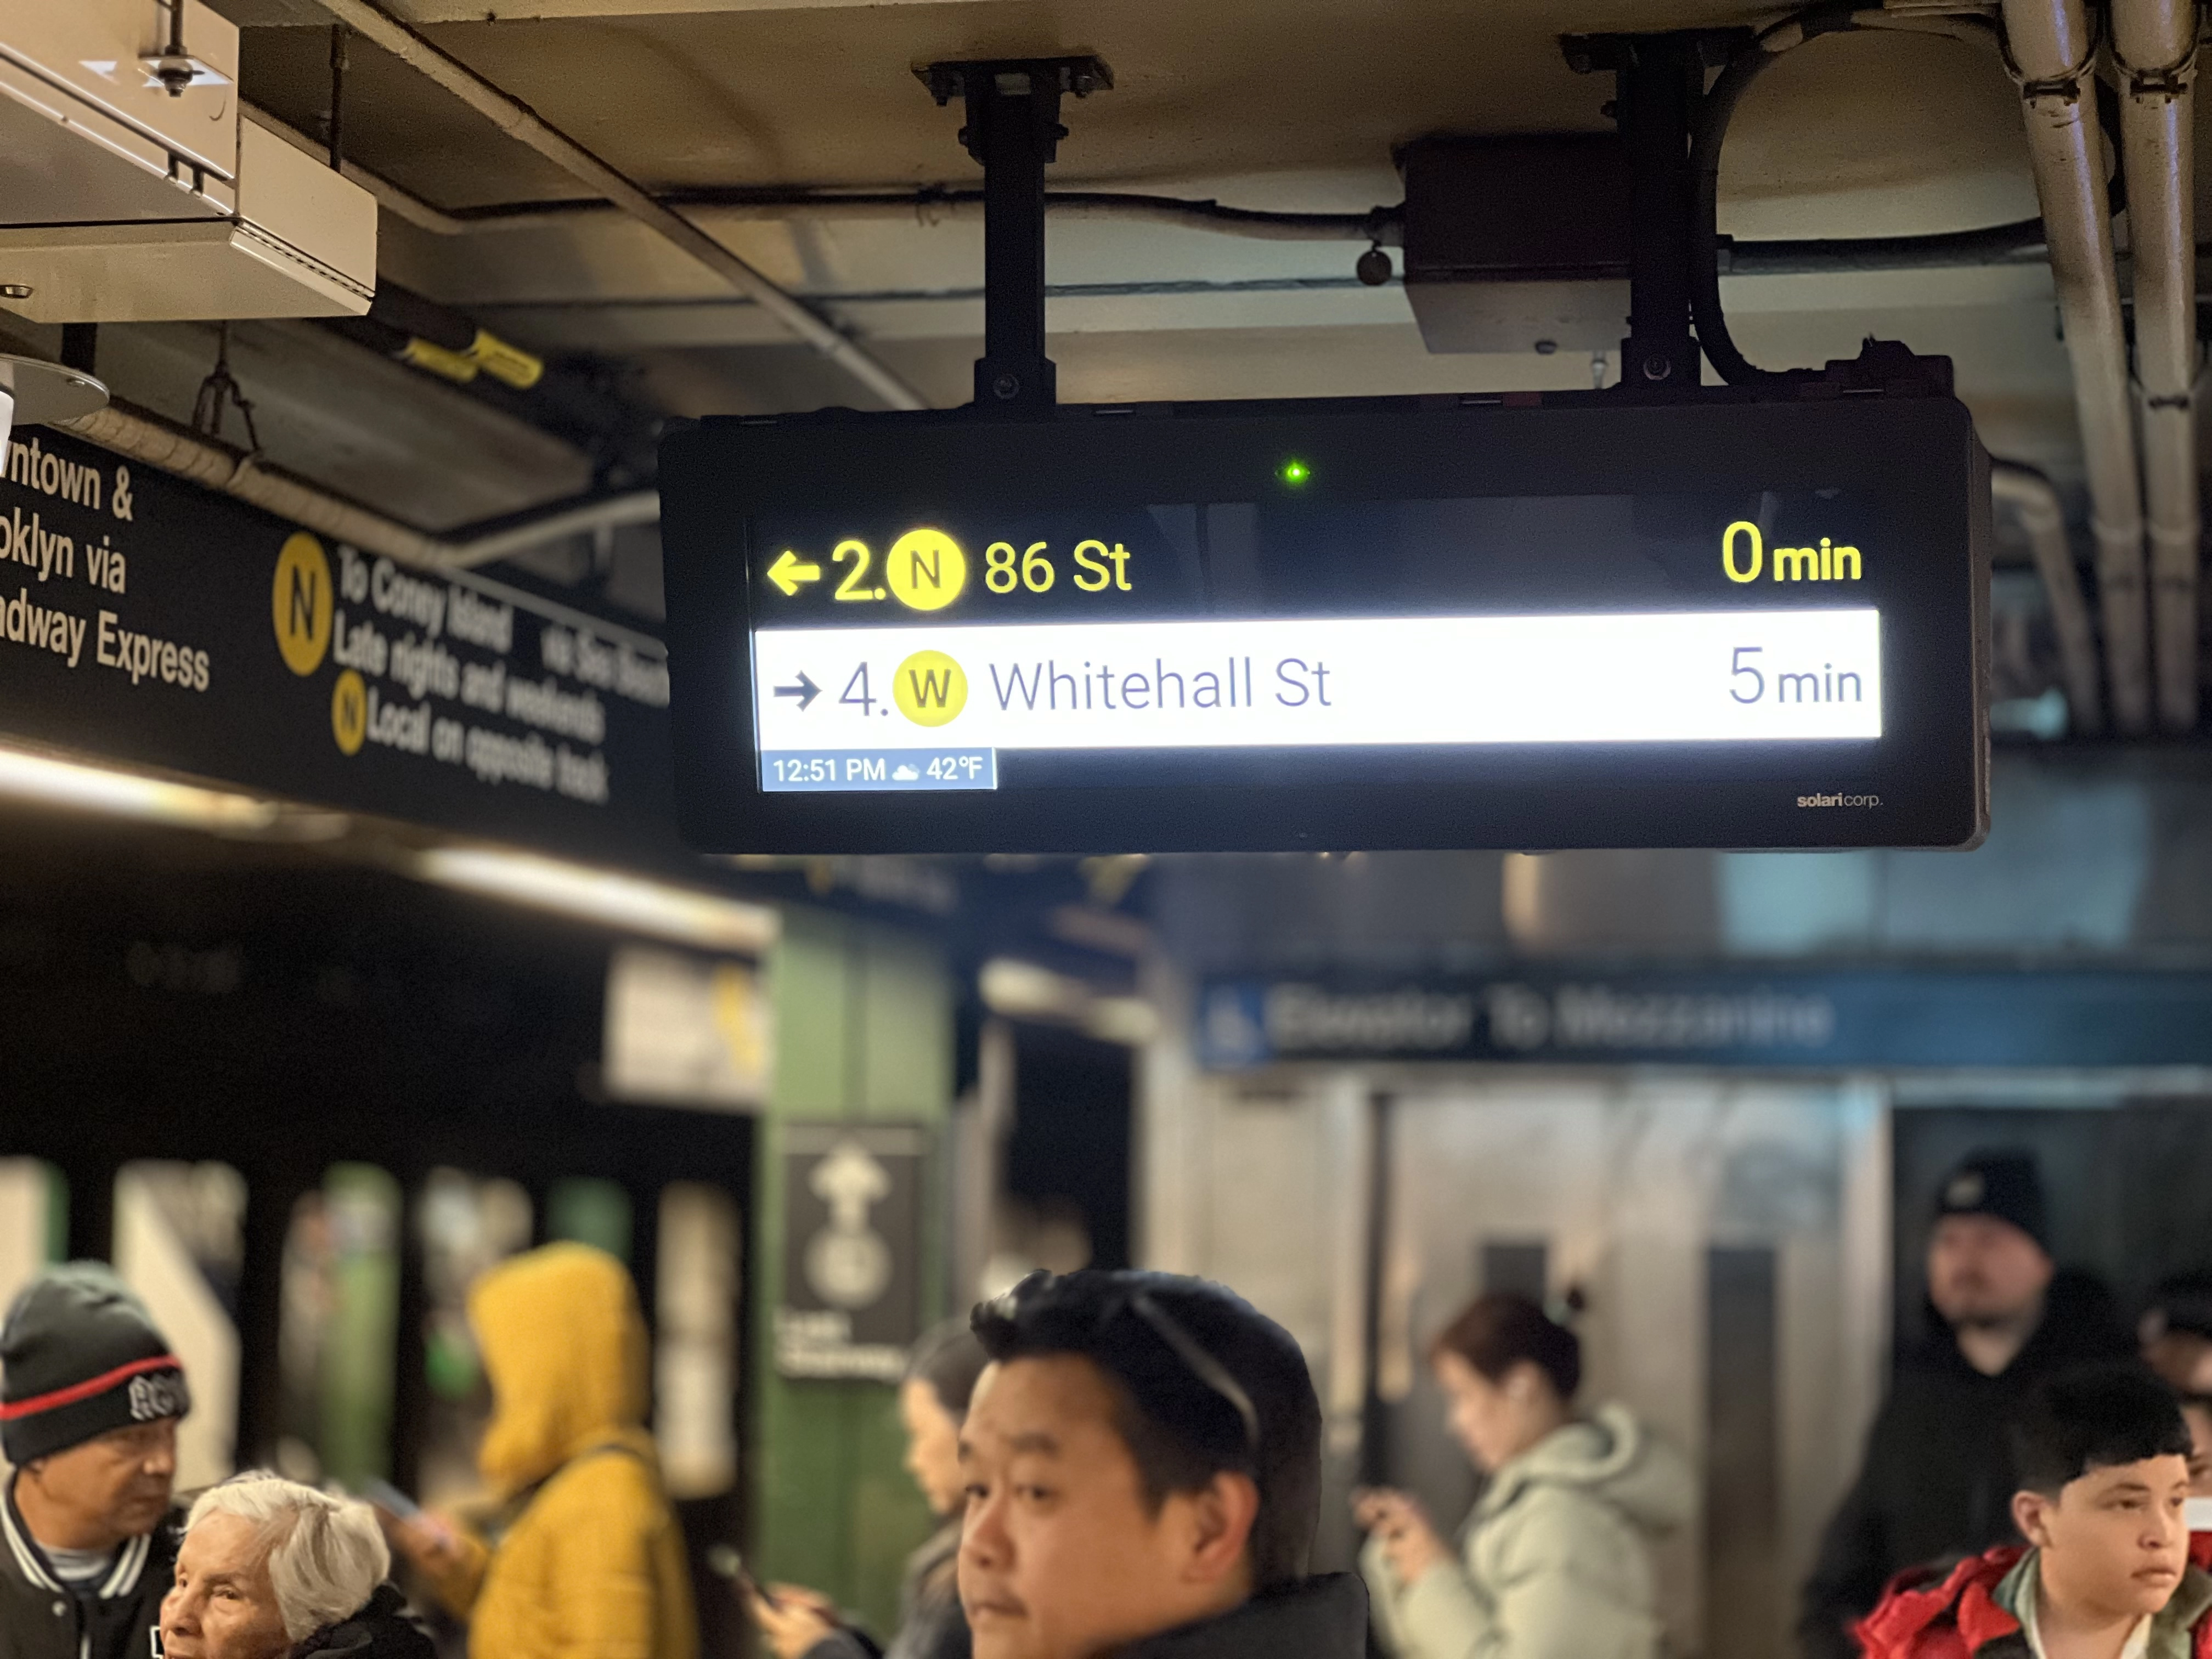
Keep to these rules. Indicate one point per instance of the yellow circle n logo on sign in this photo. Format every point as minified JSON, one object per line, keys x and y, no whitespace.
{"x":349,"y":713}
{"x":930,"y":688}
{"x":299,"y":604}
{"x":925,"y":569}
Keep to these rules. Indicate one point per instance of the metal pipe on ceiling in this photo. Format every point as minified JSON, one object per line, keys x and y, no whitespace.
{"x":2052,"y":50}
{"x":518,"y":121}
{"x":148,"y":439}
{"x":2035,"y":503}
{"x":2155,"y":52}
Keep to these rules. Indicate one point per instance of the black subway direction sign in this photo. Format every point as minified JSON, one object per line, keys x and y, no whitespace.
{"x":1572,"y":620}
{"x":150,"y":621}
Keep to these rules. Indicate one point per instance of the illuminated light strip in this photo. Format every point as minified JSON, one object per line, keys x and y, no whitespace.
{"x":631,"y":904}
{"x":1666,"y":676}
{"x":76,"y":786}
{"x":1023,"y":990}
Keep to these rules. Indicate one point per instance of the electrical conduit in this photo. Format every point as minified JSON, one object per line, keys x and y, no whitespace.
{"x":2052,"y":51}
{"x":2154,"y":43}
{"x":2035,"y":503}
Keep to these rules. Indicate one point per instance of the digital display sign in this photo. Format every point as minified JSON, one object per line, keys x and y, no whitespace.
{"x":1564,"y":622}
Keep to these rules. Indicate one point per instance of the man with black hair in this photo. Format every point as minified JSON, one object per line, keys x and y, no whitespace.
{"x":2103,"y":1457}
{"x":1143,"y":1460}
{"x":1937,"y":1477}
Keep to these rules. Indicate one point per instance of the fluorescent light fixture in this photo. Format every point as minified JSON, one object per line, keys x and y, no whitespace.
{"x":1023,"y":990}
{"x":633,"y":904}
{"x":75,"y":786}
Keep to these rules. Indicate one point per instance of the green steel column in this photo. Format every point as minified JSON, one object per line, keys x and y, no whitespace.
{"x":863,"y":1030}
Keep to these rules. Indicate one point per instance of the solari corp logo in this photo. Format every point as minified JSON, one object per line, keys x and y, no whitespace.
{"x":1839,"y":800}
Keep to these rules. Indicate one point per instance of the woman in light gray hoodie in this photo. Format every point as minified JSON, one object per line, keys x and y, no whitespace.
{"x":1553,"y":1563}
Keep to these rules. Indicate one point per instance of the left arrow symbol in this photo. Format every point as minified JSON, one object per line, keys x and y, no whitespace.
{"x":789,"y":571}
{"x":806,"y":690}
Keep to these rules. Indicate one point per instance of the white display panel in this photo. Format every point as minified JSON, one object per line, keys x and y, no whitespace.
{"x":1669,"y":677}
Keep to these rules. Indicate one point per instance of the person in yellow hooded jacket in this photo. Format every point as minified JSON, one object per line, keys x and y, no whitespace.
{"x":578,"y":1554}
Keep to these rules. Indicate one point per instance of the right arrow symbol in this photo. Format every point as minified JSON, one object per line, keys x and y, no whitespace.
{"x":806,"y":690}
{"x":789,"y":571}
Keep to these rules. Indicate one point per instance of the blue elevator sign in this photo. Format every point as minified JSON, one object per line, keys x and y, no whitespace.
{"x":1821,"y":1021}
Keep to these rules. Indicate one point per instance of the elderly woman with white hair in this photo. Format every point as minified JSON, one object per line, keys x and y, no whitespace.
{"x":273,"y":1570}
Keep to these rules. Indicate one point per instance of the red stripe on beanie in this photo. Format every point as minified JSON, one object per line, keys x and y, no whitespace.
{"x":85,"y":1390}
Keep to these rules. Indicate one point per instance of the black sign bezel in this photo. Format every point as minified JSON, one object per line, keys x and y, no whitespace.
{"x":1918,"y":455}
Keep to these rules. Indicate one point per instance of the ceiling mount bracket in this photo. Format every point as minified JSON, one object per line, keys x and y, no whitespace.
{"x":1659,"y":79}
{"x":1013,"y":130}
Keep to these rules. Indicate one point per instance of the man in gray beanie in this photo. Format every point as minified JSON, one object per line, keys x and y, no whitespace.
{"x":89,"y":1399}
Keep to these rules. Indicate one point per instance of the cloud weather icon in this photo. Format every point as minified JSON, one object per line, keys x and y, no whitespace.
{"x":904,"y":775}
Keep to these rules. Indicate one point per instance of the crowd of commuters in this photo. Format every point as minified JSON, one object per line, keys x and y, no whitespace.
{"x":1938,"y":1478}
{"x":1128,"y":1466}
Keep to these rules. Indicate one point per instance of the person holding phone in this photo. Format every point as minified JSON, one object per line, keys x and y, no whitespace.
{"x":1554,"y":1563}
{"x":802,"y":1624}
{"x":588,"y":1561}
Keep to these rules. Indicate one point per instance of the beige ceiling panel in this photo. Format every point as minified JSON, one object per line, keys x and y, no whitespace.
{"x":1287,"y":363}
{"x":477,"y":11}
{"x":1847,"y":292}
{"x":1951,"y":152}
{"x":1850,"y":305}
{"x":824,"y":95}
{"x":617,"y":327}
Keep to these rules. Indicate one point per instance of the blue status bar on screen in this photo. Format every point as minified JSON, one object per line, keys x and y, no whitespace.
{"x":792,"y":771}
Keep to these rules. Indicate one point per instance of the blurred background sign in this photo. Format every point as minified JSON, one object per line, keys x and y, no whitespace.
{"x":148,"y":621}
{"x":685,"y":1030}
{"x":1878,"y":1016}
{"x":851,"y":1302}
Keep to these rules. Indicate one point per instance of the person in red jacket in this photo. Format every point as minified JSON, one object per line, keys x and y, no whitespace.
{"x":2108,"y":1573}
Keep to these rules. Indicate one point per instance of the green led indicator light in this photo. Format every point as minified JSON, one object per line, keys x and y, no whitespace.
{"x":1295,"y":473}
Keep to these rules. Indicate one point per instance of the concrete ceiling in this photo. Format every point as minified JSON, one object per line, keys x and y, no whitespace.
{"x":1293,"y":104}
{"x":823,"y":95}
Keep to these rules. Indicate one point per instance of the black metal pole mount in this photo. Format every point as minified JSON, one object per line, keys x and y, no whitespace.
{"x":1658,"y":79}
{"x":1013,"y":130}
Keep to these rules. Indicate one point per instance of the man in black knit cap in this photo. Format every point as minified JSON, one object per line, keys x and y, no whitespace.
{"x":89,"y":1399}
{"x":1938,"y":1478}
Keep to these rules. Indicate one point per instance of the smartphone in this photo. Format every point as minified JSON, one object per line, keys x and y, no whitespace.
{"x":389,"y":1499}
{"x":726,"y":1563}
